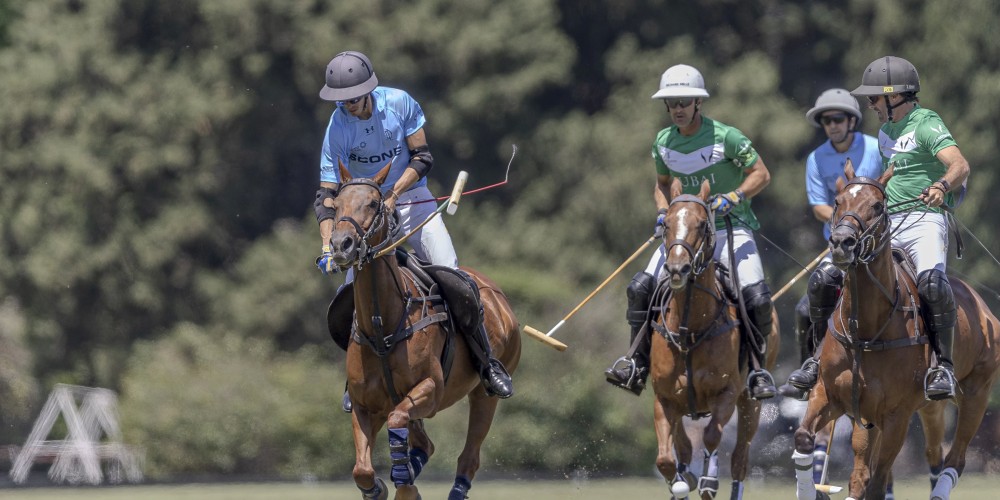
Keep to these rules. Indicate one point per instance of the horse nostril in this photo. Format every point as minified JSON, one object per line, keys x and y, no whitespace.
{"x":347,"y":244}
{"x":685,"y":269}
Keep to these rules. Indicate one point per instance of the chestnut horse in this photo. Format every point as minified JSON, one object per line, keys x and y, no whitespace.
{"x":697,"y":366}
{"x":395,"y":371}
{"x":876,"y":352}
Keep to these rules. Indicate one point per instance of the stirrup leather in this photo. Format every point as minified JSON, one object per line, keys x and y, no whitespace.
{"x":932,"y":374}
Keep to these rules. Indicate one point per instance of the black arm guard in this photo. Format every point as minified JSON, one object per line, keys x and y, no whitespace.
{"x":421,"y":160}
{"x":324,"y":212}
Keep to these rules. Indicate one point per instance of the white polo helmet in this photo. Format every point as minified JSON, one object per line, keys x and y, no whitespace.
{"x":681,"y":80}
{"x":834,"y":99}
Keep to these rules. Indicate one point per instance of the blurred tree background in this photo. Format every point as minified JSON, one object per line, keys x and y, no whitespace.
{"x":158,"y":162}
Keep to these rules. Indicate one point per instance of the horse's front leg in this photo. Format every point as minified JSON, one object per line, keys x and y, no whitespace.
{"x":670,"y":461}
{"x":365,"y":426}
{"x":818,"y":414}
{"x":417,"y":404}
{"x":861,"y":441}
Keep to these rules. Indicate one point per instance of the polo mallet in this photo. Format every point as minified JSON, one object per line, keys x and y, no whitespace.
{"x":802,"y":273}
{"x":546,"y":338}
{"x":822,"y":486}
{"x":451,"y":205}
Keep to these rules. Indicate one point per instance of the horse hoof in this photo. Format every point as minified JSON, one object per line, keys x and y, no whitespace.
{"x":407,"y":492}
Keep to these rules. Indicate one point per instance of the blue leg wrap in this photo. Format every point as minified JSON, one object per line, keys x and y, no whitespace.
{"x":402,"y":472}
{"x":819,"y":457}
{"x":418,"y":458}
{"x":460,"y":491}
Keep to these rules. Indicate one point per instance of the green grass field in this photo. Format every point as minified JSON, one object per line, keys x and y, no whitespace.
{"x":977,"y":487}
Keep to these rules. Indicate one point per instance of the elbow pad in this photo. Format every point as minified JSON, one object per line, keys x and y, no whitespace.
{"x":421,"y":160}
{"x":324,"y":212}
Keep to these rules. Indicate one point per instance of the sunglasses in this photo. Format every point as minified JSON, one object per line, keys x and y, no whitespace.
{"x":837,"y":118}
{"x":675,"y":103}
{"x":872,"y":99}
{"x":352,"y":101}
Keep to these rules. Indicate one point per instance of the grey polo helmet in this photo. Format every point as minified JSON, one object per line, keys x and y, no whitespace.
{"x":349,"y":75}
{"x":888,"y":75}
{"x":834,"y":100}
{"x":681,"y":80}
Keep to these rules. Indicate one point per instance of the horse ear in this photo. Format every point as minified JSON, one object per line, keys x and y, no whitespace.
{"x":884,"y":178}
{"x":840,"y":183}
{"x":382,"y":174}
{"x":706,"y":188}
{"x":849,"y":169}
{"x":675,"y":188}
{"x":344,"y":174}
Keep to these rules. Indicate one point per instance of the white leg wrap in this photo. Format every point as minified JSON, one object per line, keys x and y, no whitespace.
{"x":805,"y":489}
{"x":946,"y":482}
{"x":737,"y":491}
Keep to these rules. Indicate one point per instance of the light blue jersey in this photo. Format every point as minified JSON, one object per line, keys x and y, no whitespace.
{"x":365,"y":146}
{"x":825,"y":165}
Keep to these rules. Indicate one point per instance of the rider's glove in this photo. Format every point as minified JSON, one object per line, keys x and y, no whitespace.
{"x":661,"y":223}
{"x":325,"y":261}
{"x":722,"y":204}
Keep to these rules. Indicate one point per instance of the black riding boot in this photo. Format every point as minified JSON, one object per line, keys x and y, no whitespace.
{"x":630,"y":371}
{"x":757,"y":298}
{"x":938,"y":309}
{"x":495,"y":378}
{"x":823,"y":291}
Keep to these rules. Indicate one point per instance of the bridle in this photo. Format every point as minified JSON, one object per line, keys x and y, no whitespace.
{"x":366,"y":251}
{"x":871,"y":239}
{"x":701,"y":256}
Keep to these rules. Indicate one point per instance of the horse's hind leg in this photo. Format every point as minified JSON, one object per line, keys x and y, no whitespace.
{"x":932,"y":422}
{"x":887,"y":444}
{"x":482,"y":408}
{"x":748,"y":419}
{"x":971,"y":408}
{"x":365,"y":427}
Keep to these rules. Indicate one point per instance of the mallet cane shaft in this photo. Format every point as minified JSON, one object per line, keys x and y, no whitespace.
{"x":546,"y":338}
{"x":451,"y":205}
{"x":801,"y":273}
{"x":822,"y":486}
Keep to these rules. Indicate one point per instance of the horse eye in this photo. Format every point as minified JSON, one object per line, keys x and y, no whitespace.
{"x":373,"y":205}
{"x":879,"y":208}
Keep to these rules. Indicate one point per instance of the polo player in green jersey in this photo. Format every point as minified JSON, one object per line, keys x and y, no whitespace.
{"x":692,"y":150}
{"x":927,"y":165}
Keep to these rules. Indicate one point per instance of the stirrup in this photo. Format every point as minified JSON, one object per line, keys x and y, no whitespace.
{"x":768,"y":390}
{"x":345,"y":403}
{"x":932,"y":376}
{"x":625,"y":373}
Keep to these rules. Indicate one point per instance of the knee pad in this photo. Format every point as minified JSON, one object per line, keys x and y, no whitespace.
{"x":639,"y":292}
{"x":824,"y":289}
{"x":937,"y":298}
{"x":757,"y":298}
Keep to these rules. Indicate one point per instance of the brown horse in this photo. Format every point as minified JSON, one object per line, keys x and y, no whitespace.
{"x":696,"y":354}
{"x":876,"y":353}
{"x":397,"y":365}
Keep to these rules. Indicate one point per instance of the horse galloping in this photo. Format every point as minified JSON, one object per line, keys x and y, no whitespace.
{"x":876,"y":353}
{"x":697,"y":366}
{"x":405,"y":362}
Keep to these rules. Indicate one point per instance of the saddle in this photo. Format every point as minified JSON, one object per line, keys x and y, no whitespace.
{"x":459,"y":292}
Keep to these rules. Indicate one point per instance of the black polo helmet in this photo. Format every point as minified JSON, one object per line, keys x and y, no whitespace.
{"x":888,"y":75}
{"x":348,"y":75}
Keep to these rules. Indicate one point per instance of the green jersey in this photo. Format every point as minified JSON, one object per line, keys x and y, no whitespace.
{"x":911,"y":146}
{"x":716,"y":152}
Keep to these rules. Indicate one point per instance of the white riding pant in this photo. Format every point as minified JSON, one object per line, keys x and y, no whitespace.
{"x":748,"y":265}
{"x":923,"y":236}
{"x":432,"y":243}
